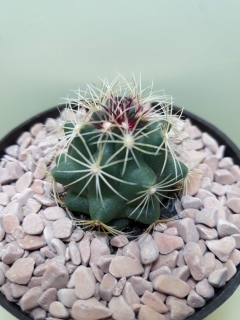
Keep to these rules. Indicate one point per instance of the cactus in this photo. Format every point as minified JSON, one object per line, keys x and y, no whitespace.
{"x":119,"y":160}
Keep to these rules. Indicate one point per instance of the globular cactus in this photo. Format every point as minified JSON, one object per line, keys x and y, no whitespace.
{"x":119,"y":161}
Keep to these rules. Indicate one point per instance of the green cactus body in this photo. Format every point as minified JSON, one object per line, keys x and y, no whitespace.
{"x":119,"y":165}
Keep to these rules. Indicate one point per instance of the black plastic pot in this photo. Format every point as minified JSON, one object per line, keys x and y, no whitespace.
{"x":222,"y":294}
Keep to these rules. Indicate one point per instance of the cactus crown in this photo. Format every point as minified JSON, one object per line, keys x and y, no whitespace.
{"x":119,"y":160}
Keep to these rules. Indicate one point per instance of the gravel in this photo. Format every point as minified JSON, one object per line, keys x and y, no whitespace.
{"x":55,"y":270}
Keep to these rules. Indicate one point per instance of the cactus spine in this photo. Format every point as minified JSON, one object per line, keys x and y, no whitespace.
{"x":119,"y":160}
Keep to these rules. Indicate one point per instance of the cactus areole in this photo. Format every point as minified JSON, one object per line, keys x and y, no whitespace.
{"x":119,"y":158}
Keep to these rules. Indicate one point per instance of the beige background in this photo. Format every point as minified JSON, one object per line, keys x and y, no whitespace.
{"x":189,"y":48}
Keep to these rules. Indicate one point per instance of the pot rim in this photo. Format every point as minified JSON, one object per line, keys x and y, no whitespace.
{"x":221,"y":294}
